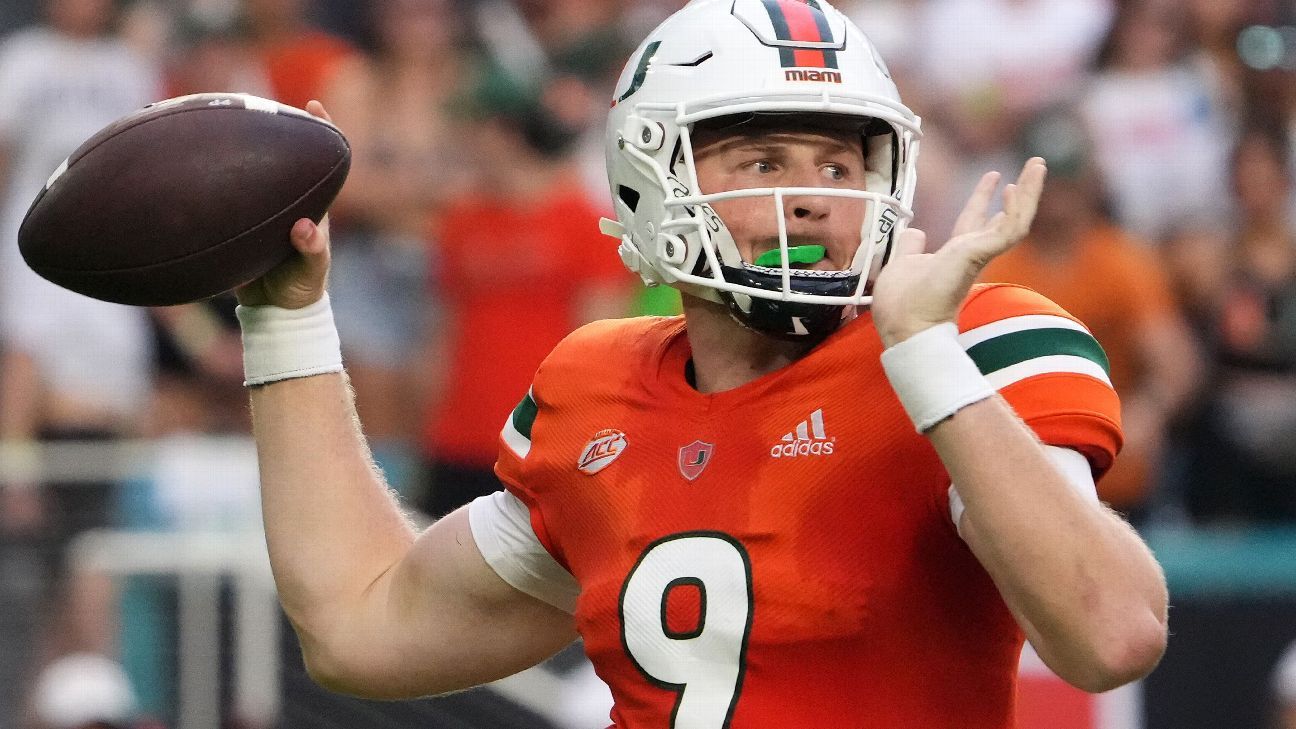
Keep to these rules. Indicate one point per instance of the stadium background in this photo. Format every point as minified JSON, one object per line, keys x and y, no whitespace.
{"x":133,"y":580}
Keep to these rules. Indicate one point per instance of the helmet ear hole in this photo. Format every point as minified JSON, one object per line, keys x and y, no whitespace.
{"x":629,"y":196}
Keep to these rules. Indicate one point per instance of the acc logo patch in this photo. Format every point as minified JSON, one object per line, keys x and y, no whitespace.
{"x":602,"y":449}
{"x":693,"y":458}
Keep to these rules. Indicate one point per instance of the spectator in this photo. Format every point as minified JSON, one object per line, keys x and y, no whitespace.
{"x":1196,"y":257}
{"x":1164,"y":132}
{"x":70,"y":367}
{"x":1243,"y":467}
{"x":408,"y":158}
{"x":1213,"y":27}
{"x":1097,"y":272}
{"x":990,"y":66}
{"x":521,"y":266}
{"x":214,"y":54}
{"x":300,"y":59}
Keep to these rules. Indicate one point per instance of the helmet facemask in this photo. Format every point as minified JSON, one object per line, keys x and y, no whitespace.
{"x":777,"y":293}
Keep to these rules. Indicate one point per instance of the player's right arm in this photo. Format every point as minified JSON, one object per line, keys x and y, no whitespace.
{"x":381,"y":611}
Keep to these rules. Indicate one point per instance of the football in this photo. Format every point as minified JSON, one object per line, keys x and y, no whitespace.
{"x":183,"y":199}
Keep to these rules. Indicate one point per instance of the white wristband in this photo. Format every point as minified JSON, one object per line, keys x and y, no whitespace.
{"x":283,"y":344}
{"x":933,"y":376}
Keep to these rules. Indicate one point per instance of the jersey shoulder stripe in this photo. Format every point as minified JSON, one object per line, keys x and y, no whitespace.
{"x":1019,"y":334}
{"x":1048,"y":367}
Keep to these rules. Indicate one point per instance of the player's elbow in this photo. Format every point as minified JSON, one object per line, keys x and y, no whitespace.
{"x":330,"y":668}
{"x":367,"y":670}
{"x":343,"y":670}
{"x":1123,"y":656}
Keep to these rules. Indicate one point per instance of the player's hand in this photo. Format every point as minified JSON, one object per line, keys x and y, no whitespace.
{"x":300,"y":280}
{"x":918,"y":290}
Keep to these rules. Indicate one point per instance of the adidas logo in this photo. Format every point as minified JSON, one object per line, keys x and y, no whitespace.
{"x":808,"y":439}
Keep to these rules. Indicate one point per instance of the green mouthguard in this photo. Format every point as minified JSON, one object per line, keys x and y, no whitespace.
{"x":796,"y":254}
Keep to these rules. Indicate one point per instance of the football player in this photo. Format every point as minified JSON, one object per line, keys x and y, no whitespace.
{"x":838,"y":491}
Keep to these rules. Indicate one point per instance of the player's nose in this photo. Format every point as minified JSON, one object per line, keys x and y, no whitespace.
{"x":808,"y":207}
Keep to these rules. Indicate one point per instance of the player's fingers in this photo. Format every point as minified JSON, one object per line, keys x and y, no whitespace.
{"x":980,"y":247}
{"x":973,"y":216}
{"x":317,"y":108}
{"x":911,"y":242}
{"x":1027,"y":189}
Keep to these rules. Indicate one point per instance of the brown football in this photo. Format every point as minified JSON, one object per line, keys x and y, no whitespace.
{"x":183,"y":199}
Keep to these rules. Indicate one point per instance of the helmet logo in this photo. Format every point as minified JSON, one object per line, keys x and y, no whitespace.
{"x":693,"y":458}
{"x":640,"y":73}
{"x":810,"y":74}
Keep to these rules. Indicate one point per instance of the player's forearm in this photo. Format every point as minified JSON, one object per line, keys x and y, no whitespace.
{"x":1087,"y":591}
{"x":331,"y":524}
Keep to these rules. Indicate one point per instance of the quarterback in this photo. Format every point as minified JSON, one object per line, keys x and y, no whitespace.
{"x":840,"y":490}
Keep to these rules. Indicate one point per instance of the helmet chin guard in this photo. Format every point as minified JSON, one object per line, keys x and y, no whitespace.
{"x":789,"y":320}
{"x":726,"y":62}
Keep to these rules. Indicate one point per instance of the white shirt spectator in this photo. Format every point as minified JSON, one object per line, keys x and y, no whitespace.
{"x":56,"y":92}
{"x":1161,"y":146}
{"x":1031,"y":53}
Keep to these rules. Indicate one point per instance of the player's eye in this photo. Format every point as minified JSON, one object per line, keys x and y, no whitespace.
{"x":761,"y":166}
{"x":835,"y":173}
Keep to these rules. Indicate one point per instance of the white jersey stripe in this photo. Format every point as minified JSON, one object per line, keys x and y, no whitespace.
{"x":1044,"y":365}
{"x":973,"y":337}
{"x":518,"y":443}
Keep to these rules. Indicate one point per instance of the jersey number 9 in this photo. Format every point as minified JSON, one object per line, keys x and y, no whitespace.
{"x":704,"y":664}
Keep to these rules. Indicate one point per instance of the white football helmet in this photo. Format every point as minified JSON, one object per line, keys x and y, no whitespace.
{"x":745,"y":59}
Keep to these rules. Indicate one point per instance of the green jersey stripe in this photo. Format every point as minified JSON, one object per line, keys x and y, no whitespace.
{"x":1007,"y":350}
{"x":524,"y":416}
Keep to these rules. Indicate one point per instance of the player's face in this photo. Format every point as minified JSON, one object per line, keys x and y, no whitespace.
{"x":787,"y":158}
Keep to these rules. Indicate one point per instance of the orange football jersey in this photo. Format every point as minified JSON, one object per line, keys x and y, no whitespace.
{"x":782,"y":554}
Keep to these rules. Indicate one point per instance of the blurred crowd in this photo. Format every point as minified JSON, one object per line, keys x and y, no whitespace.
{"x":466,"y":239}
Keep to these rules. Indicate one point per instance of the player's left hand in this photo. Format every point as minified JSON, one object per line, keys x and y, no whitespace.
{"x":917,"y":290}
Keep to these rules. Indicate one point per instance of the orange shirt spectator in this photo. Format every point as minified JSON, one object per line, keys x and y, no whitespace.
{"x":299,"y":58}
{"x":513,"y":277}
{"x":299,"y":67}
